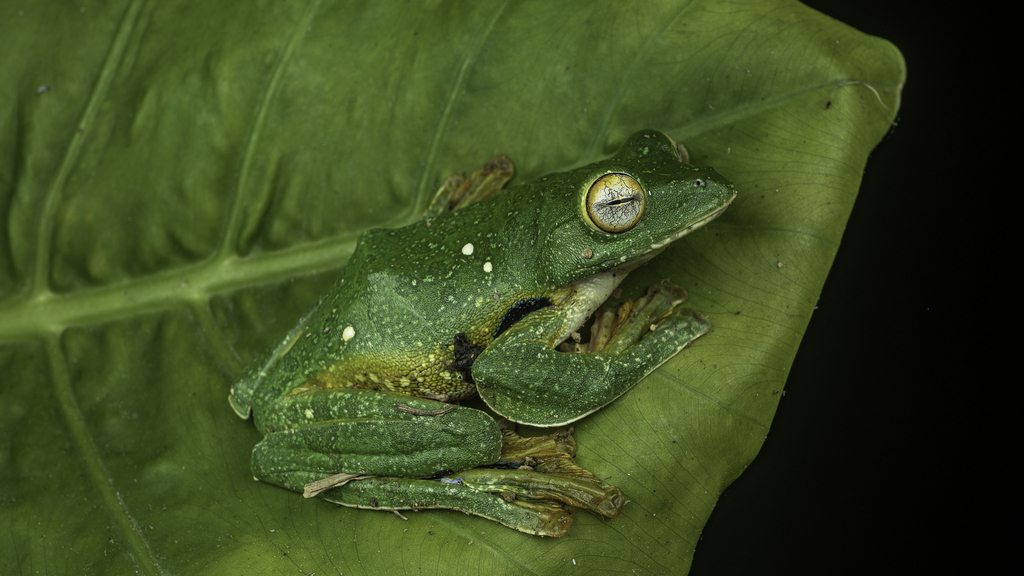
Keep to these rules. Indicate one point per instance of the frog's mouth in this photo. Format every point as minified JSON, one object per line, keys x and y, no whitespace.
{"x":660,"y":245}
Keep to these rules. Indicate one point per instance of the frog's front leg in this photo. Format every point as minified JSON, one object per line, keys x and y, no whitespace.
{"x":525,"y":379}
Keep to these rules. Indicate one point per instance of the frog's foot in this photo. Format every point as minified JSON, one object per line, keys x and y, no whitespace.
{"x":459,"y":191}
{"x":543,"y":469}
{"x":617,"y":327}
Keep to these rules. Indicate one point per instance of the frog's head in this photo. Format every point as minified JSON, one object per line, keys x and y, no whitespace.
{"x":623,"y":211}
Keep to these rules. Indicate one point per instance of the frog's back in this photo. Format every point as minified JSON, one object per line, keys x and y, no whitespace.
{"x":389,"y":323}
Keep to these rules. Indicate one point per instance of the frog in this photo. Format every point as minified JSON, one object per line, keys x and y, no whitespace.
{"x":366,"y":401}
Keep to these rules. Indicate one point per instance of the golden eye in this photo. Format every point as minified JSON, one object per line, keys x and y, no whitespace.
{"x":615,"y":203}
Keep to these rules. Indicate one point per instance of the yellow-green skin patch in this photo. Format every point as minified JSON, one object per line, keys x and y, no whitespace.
{"x":420,"y":368}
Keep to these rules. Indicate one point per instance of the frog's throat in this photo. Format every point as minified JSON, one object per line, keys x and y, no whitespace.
{"x":588,"y":295}
{"x":590,"y":292}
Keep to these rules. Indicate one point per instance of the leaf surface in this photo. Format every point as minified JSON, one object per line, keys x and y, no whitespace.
{"x":179,"y":181}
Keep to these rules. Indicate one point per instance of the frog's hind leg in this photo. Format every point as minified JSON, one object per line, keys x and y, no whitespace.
{"x":525,"y":490}
{"x":383,"y":451}
{"x":321,"y":433}
{"x":459,"y":191}
{"x":544,"y":518}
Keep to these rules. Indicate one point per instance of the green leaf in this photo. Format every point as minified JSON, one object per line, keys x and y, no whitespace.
{"x":180,"y":180}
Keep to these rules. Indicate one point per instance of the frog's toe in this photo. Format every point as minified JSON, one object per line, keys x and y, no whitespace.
{"x":618,"y":326}
{"x":543,"y":469}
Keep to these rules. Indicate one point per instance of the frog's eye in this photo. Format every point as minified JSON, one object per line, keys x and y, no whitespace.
{"x":614,"y":203}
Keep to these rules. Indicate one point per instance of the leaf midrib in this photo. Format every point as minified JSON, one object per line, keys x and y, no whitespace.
{"x":48,"y":312}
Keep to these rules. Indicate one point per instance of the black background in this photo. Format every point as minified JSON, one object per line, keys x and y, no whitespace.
{"x":878,"y":457}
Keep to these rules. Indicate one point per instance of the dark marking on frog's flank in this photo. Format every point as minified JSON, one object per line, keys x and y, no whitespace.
{"x":373,"y":503}
{"x":519,"y":310}
{"x":442,"y":474}
{"x":465,"y":354}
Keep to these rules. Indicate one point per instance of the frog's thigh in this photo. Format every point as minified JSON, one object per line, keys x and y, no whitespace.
{"x":380,"y":434}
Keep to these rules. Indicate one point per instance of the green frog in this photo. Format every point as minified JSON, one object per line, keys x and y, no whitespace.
{"x":359,"y":403}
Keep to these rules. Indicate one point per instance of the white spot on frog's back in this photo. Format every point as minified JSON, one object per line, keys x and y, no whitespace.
{"x":487,"y":267}
{"x":348,"y":333}
{"x":468,"y":249}
{"x":309,"y":414}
